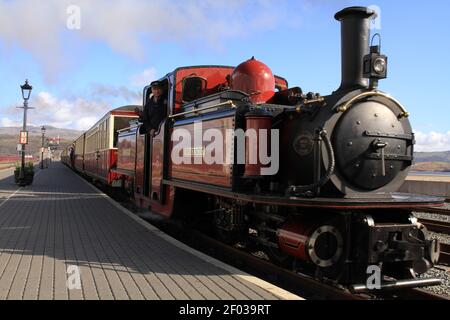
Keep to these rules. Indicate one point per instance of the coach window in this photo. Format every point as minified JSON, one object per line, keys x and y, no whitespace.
{"x":194,"y":87}
{"x":120,"y":123}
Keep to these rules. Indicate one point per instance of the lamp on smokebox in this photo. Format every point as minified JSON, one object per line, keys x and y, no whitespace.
{"x":375,"y":64}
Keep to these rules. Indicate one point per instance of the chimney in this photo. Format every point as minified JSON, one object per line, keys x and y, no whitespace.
{"x":354,"y":45}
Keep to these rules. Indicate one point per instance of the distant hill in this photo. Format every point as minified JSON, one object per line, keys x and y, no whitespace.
{"x":67,"y":134}
{"x":432,"y":166}
{"x":9,"y":138}
{"x":443,"y":156}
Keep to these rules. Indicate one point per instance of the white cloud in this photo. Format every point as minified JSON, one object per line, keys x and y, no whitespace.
{"x":432,"y":141}
{"x":86,"y":122}
{"x":72,"y":112}
{"x":76,"y":114}
{"x":40,"y":27}
{"x":7,"y":122}
{"x":144,"y":78}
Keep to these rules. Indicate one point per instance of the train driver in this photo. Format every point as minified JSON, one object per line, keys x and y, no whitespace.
{"x":155,"y":109}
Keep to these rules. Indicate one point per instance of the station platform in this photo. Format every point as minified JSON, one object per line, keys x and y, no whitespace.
{"x":433,"y":185}
{"x":61,"y":238}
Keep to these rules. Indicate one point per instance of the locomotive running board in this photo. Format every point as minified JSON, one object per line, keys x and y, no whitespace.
{"x":398,"y":200}
{"x":396,"y":285}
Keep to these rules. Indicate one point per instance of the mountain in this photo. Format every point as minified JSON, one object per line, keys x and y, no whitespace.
{"x":9,"y":138}
{"x":66,"y":134}
{"x":443,"y":156}
{"x":432,"y":161}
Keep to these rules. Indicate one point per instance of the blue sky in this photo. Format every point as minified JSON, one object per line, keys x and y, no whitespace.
{"x":78,"y":75}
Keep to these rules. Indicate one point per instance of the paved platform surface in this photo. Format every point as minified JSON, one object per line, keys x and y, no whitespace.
{"x":61,"y":223}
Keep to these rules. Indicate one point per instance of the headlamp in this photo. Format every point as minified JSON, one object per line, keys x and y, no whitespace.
{"x":379,"y":65}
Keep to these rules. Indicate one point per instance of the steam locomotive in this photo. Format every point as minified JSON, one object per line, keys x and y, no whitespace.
{"x":309,"y":179}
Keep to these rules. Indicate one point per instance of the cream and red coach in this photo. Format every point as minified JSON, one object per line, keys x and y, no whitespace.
{"x":96,"y":149}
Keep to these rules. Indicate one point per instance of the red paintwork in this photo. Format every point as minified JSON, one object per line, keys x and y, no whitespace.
{"x":123,"y":113}
{"x":257,"y":123}
{"x":98,"y":165}
{"x":213,"y":174}
{"x":293,"y":238}
{"x":79,"y":162}
{"x":216,"y":78}
{"x":161,"y":197}
{"x":139,"y":173}
{"x":157,"y":164}
{"x":254,"y":78}
{"x":164,"y":208}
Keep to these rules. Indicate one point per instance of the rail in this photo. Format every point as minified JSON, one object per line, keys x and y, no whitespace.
{"x":439,"y":226}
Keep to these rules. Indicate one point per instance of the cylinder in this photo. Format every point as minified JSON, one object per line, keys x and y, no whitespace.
{"x":293,"y":239}
{"x":256,"y":121}
{"x":354,"y":45}
{"x":309,"y":241}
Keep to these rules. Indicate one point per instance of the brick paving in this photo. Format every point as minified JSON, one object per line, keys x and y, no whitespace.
{"x":60,"y":224}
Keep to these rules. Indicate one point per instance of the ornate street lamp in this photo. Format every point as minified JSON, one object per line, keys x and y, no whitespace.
{"x":26,"y":92}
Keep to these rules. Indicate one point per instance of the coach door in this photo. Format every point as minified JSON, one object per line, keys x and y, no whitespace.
{"x":147,"y":165}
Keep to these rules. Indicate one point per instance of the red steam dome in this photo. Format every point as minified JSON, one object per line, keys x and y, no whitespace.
{"x":254,"y":78}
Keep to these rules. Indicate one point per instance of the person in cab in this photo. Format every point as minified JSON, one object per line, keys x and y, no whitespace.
{"x":155,"y":110}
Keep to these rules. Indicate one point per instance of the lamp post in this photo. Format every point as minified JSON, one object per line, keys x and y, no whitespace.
{"x":42,"y":149}
{"x":26,"y":92}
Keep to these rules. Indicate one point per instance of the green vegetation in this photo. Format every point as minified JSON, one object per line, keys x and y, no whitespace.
{"x":29,"y":166}
{"x":28,"y":174}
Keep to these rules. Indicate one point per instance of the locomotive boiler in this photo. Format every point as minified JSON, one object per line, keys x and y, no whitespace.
{"x":309,"y":179}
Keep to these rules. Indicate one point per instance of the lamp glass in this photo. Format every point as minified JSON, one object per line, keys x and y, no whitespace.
{"x":26,"y":90}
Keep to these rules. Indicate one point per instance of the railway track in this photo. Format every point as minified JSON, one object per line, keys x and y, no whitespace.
{"x":439,"y":226}
{"x":444,"y":258}
{"x":440,"y":211}
{"x":436,"y":225}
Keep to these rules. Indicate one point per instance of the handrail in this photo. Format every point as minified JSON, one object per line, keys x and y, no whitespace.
{"x":344,"y":106}
{"x":229,"y":102}
{"x":128,"y":128}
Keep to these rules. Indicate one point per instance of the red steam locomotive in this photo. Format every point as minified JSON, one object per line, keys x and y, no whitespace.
{"x":310,"y":179}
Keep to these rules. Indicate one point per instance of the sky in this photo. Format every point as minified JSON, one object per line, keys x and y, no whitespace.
{"x":85,"y":57}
